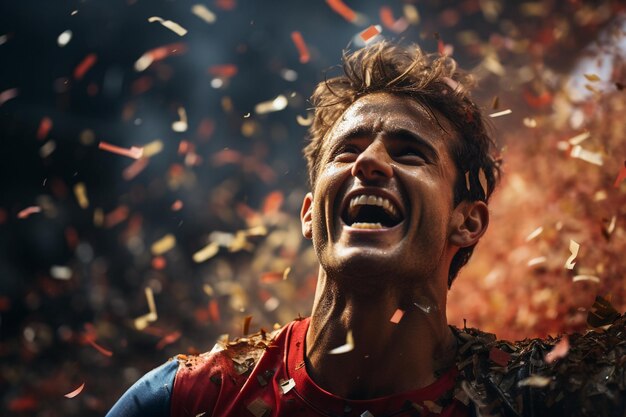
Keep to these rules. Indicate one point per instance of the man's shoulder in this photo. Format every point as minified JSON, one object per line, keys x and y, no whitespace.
{"x":575,"y":375}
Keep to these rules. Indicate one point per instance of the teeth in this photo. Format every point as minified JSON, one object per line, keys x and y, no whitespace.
{"x":367,"y":225}
{"x":372,"y":200}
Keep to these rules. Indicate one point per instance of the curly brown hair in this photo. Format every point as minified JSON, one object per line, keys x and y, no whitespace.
{"x":435,"y":82}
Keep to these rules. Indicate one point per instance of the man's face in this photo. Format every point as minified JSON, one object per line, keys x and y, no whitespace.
{"x":382,"y":203}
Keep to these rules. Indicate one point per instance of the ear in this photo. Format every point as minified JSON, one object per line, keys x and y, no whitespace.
{"x":469,"y":222}
{"x":306,"y":216}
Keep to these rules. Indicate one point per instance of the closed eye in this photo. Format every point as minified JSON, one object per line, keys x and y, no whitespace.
{"x":410,"y":156}
{"x":347,"y":153}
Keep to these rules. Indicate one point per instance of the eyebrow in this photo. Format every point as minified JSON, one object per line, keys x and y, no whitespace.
{"x":404,"y":135}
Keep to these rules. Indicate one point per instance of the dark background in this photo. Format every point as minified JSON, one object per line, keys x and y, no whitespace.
{"x":240,"y":170}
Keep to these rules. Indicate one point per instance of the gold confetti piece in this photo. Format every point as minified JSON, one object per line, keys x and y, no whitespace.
{"x":206,"y":253}
{"x":246,"y":325}
{"x":208,"y":290}
{"x":203,"y":13}
{"x":278,"y":104}
{"x":397,"y":316}
{"x":536,"y":381}
{"x":587,"y":156}
{"x":163,"y":245}
{"x":152,"y":148}
{"x":592,"y":77}
{"x":579,"y":278}
{"x":411,"y":13}
{"x":501,"y":113}
{"x":135,"y":168}
{"x":9,"y":94}
{"x":537,"y":261}
{"x":467,"y":181}
{"x":286,"y":273}
{"x":287,"y":385}
{"x":47,"y":149}
{"x":81,"y":195}
{"x":578,"y":139}
{"x":180,"y":125}
{"x":75,"y":392}
{"x":173,"y":26}
{"x":345,"y":348}
{"x":142,"y":321}
{"x":64,"y":38}
{"x":60,"y":272}
{"x":134,"y":151}
{"x":98,"y":217}
{"x":534,"y":233}
{"x":256,"y":231}
{"x":305,"y":121}
{"x":259,"y":408}
{"x":573,"y":247}
{"x":433,"y":407}
{"x":24,"y":213}
{"x":530,"y":122}
{"x":495,"y":103}
{"x":482,"y":178}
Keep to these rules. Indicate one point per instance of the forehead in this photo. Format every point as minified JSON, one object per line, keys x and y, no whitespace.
{"x":381,"y":112}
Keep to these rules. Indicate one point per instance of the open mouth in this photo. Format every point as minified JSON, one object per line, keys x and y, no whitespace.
{"x":371,"y":212}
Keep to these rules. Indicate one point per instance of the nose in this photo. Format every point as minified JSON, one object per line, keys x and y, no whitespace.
{"x":373,"y":163}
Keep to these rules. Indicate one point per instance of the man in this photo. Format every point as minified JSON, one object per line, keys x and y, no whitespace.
{"x":401,"y":169}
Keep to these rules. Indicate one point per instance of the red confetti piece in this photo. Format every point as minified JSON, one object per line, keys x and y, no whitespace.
{"x":75,"y":392}
{"x":7,"y":95}
{"x":158,"y":262}
{"x":214,"y":311}
{"x":272,"y":202}
{"x":397,"y":316}
{"x":205,"y":129}
{"x":177,"y":205}
{"x":499,"y":357}
{"x":342,"y":9}
{"x":620,"y":176}
{"x":84,"y":66}
{"x":271,"y":277}
{"x":28,"y":211}
{"x":23,"y":404}
{"x":559,"y":350}
{"x":226,"y":156}
{"x":298,"y":40}
{"x":134,"y":151}
{"x":226,"y":4}
{"x":386,"y":17}
{"x":116,"y":216}
{"x":168,"y":339}
{"x":369,"y":33}
{"x":44,"y":128}
{"x":141,"y":85}
{"x":223,"y":71}
{"x":135,"y":168}
{"x":537,"y":101}
{"x":99,"y":348}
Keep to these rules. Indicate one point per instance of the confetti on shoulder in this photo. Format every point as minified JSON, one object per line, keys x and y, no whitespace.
{"x":173,"y":26}
{"x":134,"y":152}
{"x":501,"y":113}
{"x":345,"y":348}
{"x":75,"y":392}
{"x":397,"y":316}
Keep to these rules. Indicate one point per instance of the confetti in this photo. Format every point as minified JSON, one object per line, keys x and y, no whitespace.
{"x":163,"y":245}
{"x":24,"y":213}
{"x":345,"y":348}
{"x":387,"y":19}
{"x":559,"y":351}
{"x":499,"y":357}
{"x":224,"y":70}
{"x":81,"y":195}
{"x":47,"y":149}
{"x":535,"y":381}
{"x":158,"y":54}
{"x":75,"y":392}
{"x":99,"y":348}
{"x":534,"y":233}
{"x":180,"y":125}
{"x":259,"y":408}
{"x":620,"y":176}
{"x":578,"y":139}
{"x":168,"y":339}
{"x":64,"y":38}
{"x":176,"y":205}
{"x":397,"y":316}
{"x":592,"y":77}
{"x":84,"y":66}
{"x":343,"y":10}
{"x":206,"y":253}
{"x":411,"y":13}
{"x":44,"y":128}
{"x":246,"y":325}
{"x":203,"y":13}
{"x":272,"y":203}
{"x":134,"y":151}
{"x":305,"y":121}
{"x":298,"y":40}
{"x":286,"y":273}
{"x":277,"y":104}
{"x":482,"y":178}
{"x":173,"y":26}
{"x":591,"y":278}
{"x":135,"y":168}
{"x":537,"y":261}
{"x":9,"y":94}
{"x":61,"y":272}
{"x":587,"y":156}
{"x":501,"y":113}
{"x":573,"y":247}
{"x":142,"y":321}
{"x":370,"y":33}
{"x":530,"y":122}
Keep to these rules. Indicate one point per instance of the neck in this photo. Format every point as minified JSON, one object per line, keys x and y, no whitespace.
{"x":386,"y":358}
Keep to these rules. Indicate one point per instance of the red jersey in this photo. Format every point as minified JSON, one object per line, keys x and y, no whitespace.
{"x":271,"y":380}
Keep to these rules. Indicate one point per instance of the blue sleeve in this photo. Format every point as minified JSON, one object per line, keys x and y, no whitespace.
{"x":150,"y":396}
